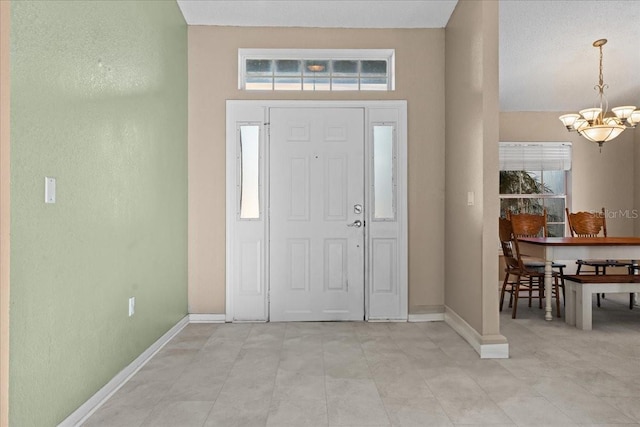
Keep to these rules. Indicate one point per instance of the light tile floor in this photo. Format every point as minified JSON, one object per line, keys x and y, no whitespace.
{"x":382,"y":374}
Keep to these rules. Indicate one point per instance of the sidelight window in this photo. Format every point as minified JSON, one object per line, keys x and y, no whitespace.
{"x":249,"y":168}
{"x":384,"y":172}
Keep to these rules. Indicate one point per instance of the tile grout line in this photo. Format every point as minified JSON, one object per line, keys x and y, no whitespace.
{"x":275,"y":377}
{"x":225,"y":378}
{"x":324,"y":379}
{"x":159,"y":401}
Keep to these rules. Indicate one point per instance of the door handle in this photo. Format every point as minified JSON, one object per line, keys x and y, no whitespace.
{"x":357,"y":223}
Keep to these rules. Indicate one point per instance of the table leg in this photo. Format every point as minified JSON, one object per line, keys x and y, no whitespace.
{"x":570,"y":303}
{"x":583,"y":307}
{"x":548,"y":294}
{"x":636,"y":270}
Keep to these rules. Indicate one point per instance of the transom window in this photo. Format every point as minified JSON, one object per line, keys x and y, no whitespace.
{"x":316,"y":69}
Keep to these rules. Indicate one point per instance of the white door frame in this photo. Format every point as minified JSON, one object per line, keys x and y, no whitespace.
{"x":383,"y":301}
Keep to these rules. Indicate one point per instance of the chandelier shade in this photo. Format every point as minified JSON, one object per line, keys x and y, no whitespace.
{"x":601,"y":133}
{"x":623,"y":113}
{"x":594,"y":124}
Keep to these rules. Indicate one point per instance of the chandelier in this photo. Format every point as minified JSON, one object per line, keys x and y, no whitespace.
{"x":593,"y":123}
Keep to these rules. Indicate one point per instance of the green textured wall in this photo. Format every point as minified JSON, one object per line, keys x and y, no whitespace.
{"x":98,"y":101}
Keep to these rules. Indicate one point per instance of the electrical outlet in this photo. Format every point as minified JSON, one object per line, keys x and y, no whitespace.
{"x":132,"y":306}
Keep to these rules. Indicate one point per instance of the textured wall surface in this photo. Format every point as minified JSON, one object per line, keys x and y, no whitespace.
{"x":98,"y":101}
{"x":5,"y":180}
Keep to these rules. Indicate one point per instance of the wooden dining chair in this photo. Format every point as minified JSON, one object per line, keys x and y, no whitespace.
{"x":534,"y":225}
{"x":533,"y":284}
{"x":594,"y":224}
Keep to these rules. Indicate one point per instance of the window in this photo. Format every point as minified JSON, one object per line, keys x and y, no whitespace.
{"x":249,"y":167}
{"x":534,"y":177}
{"x":383,"y":171}
{"x":316,"y":69}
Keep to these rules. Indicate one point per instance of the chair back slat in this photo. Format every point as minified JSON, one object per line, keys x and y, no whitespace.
{"x":528,"y":225}
{"x":587,"y":224}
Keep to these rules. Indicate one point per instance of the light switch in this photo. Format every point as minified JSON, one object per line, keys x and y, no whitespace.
{"x":49,"y":189}
{"x":470,"y":198}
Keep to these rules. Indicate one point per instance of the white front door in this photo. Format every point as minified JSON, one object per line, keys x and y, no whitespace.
{"x":316,"y":199}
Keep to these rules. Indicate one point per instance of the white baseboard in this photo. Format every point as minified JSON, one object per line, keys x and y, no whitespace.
{"x":207,"y":318}
{"x":81,"y":414}
{"x":488,"y":347}
{"x":494,"y":351}
{"x":430,"y":317}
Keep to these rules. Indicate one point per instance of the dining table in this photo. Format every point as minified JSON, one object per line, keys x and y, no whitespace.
{"x":575,"y":248}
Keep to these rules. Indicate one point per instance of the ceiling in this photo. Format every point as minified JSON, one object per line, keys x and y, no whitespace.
{"x":547,"y":61}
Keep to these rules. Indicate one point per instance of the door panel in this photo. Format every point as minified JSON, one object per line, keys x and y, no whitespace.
{"x":317,"y":177}
{"x":335,"y":177}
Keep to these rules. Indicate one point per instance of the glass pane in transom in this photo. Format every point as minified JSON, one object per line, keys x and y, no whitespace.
{"x":373,"y":84}
{"x":374,"y":67}
{"x":316,"y":83}
{"x":287,"y":83}
{"x":316,"y":67}
{"x":259,"y":66}
{"x":259,"y":83}
{"x":287,"y":67}
{"x":345,"y":84}
{"x":345,"y":67}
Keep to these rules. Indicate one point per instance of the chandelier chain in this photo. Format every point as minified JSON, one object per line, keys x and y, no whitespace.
{"x":601,"y":84}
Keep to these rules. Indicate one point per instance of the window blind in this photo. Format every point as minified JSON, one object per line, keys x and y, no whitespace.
{"x":535,"y":156}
